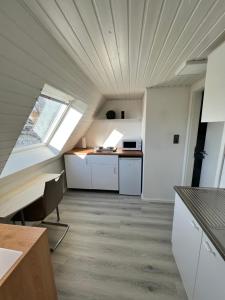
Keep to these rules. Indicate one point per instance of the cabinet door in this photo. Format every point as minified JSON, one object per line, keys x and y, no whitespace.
{"x":210,"y":282}
{"x":186,"y":242}
{"x":130,"y":173}
{"x":78,"y":171}
{"x":214,"y":102}
{"x":104,"y":172}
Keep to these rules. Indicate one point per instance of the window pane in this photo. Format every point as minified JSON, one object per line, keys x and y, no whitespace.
{"x":41,"y":122}
{"x":65,"y":129}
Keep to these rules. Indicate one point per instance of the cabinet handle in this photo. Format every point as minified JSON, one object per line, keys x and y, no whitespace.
{"x":115,"y":170}
{"x":194,"y":225}
{"x":209,"y":249}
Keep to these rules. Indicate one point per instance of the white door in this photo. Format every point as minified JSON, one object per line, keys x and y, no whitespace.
{"x":130,"y":173}
{"x":186,"y":242}
{"x":78,"y":171}
{"x":210,"y":283}
{"x":104,"y":172}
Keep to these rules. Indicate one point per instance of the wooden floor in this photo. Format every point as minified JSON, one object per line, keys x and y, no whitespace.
{"x":117,"y":248}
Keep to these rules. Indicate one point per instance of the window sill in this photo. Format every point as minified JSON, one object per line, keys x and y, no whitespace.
{"x":27,"y":148}
{"x":20,"y":160}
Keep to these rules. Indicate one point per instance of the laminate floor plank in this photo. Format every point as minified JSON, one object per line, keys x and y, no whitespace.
{"x":117,"y":248}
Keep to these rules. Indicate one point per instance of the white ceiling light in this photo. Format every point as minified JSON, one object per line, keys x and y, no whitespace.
{"x":192,"y":67}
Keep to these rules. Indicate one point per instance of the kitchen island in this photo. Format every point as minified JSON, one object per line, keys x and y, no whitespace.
{"x":198,"y":241}
{"x":30,"y":275}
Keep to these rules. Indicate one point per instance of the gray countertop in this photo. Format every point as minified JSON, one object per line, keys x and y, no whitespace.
{"x":207,"y":205}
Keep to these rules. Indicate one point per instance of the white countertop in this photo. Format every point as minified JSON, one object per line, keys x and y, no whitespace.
{"x":8,"y":258}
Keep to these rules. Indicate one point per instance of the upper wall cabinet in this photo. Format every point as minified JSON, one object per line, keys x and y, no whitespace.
{"x":214,"y":97}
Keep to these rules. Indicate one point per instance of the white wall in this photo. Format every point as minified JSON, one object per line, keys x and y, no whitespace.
{"x":30,"y":57}
{"x":192,"y":129}
{"x":130,"y":127}
{"x":214,"y":103}
{"x":214,"y":147}
{"x":166,"y":114}
{"x":18,"y":179}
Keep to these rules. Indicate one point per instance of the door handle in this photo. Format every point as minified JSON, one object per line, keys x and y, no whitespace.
{"x":209,"y":249}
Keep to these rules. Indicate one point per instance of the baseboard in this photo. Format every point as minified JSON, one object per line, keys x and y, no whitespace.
{"x":157,"y":200}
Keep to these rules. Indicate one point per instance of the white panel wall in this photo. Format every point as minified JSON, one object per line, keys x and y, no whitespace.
{"x":17,"y":180}
{"x":166,"y":114}
{"x":30,"y":57}
{"x":101,"y":128}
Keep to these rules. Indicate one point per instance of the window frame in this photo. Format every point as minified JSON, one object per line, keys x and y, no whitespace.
{"x":46,"y":143}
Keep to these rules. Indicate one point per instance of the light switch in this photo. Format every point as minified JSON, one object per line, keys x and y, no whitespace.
{"x":176,"y":138}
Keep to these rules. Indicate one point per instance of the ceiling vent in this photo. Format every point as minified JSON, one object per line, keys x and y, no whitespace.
{"x":192,"y":67}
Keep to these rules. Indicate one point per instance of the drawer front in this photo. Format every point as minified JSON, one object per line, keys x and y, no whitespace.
{"x":186,"y":243}
{"x":211,"y":273}
{"x":103,"y":159}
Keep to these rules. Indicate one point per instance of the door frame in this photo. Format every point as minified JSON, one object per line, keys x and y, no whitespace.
{"x":192,"y":131}
{"x":191,"y":137}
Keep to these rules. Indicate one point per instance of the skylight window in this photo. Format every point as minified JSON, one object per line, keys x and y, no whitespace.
{"x":65,"y":129}
{"x":42,"y":121}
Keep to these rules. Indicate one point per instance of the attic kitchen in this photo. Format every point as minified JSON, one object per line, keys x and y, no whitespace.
{"x":116,"y":163}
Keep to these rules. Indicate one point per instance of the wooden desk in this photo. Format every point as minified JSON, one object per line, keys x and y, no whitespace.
{"x":21,"y":197}
{"x":31,"y":277}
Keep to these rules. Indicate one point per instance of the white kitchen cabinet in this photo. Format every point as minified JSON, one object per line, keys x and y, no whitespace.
{"x":104,"y":172}
{"x":186,"y":242}
{"x":130,"y":175}
{"x":214,"y":100}
{"x":210,"y":282}
{"x":98,"y":172}
{"x":78,"y":171}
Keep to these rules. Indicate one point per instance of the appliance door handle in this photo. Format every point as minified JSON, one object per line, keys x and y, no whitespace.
{"x":209,"y":249}
{"x":195,"y":225}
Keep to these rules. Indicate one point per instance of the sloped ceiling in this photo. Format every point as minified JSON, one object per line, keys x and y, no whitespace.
{"x":127,"y":45}
{"x":29,"y":58}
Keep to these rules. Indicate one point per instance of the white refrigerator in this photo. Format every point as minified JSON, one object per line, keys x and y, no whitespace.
{"x":130,"y":175}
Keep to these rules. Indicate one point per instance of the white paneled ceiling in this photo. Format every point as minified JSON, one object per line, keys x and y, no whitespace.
{"x":127,"y":45}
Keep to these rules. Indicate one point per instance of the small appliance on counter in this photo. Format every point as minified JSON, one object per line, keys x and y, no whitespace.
{"x":132,"y":144}
{"x":107,"y":149}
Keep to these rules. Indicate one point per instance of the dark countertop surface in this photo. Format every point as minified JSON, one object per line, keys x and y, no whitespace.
{"x":207,"y":205}
{"x":119,"y":152}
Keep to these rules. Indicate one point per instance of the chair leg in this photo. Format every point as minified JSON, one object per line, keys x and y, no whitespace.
{"x":63,"y":235}
{"x":57,"y":211}
{"x":22,"y":218}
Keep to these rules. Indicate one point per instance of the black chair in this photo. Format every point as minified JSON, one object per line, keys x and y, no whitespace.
{"x":44,"y":206}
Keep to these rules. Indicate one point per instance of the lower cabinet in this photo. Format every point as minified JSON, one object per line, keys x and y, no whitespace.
{"x":201,"y":267}
{"x":78,"y":171}
{"x":210,"y":282}
{"x":186,"y":243}
{"x":92,"y":171}
{"x":104,"y":172}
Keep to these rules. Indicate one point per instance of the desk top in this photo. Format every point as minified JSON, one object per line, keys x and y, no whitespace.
{"x":19,"y":198}
{"x":20,"y":238}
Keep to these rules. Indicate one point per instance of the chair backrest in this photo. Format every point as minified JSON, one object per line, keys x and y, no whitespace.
{"x":42,"y":207}
{"x":53,"y":194}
